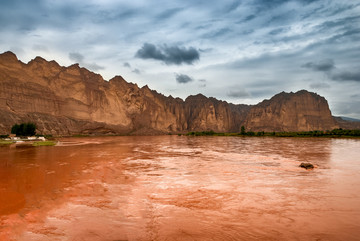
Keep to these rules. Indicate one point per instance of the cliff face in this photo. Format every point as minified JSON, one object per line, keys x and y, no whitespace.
{"x":73,"y":100}
{"x":300,"y":111}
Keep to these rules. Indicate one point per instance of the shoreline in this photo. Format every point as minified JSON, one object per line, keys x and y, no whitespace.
{"x":52,"y":140}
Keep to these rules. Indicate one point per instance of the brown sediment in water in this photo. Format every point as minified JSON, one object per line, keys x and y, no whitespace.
{"x":181,"y":188}
{"x":11,"y":202}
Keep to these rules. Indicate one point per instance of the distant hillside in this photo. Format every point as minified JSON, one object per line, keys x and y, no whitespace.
{"x":347,"y":123}
{"x":73,"y":100}
{"x":348,"y":119}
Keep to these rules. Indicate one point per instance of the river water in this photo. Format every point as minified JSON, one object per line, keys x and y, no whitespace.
{"x":181,"y":188}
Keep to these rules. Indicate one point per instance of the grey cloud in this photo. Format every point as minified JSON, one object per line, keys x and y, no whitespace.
{"x":106,"y":16}
{"x":206,"y":50}
{"x":263,"y":4}
{"x":127,"y":65}
{"x":319,"y":86}
{"x":282,"y":18}
{"x":348,"y":108}
{"x":79,"y":58}
{"x":238,"y":93}
{"x":250,"y":17}
{"x":278,"y":31}
{"x":323,"y":66}
{"x":136,"y":71}
{"x":346,"y":76}
{"x":93,"y":66}
{"x":217,"y":33}
{"x":339,"y":8}
{"x":169,"y":55}
{"x":343,"y":23}
{"x":266,"y":4}
{"x":202,"y":83}
{"x":183,"y":78}
{"x":38,"y":47}
{"x":169,"y":13}
{"x":233,"y":6}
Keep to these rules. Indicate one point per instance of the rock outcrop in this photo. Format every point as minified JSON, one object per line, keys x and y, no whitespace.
{"x":300,"y":111}
{"x":73,"y":100}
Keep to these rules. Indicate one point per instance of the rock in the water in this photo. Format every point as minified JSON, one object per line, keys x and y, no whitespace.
{"x":306,"y":165}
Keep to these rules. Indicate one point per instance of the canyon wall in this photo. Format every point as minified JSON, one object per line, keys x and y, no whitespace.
{"x":73,"y":100}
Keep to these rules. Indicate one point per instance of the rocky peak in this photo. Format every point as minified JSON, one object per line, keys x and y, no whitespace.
{"x":8,"y":58}
{"x":41,"y":64}
{"x":39,"y":59}
{"x":195,"y":98}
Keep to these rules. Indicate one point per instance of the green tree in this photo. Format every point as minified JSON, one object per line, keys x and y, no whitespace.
{"x":243,"y":132}
{"x":24,"y":129}
{"x":15,"y":129}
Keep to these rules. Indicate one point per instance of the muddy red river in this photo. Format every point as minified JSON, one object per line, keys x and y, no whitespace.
{"x":181,"y":188}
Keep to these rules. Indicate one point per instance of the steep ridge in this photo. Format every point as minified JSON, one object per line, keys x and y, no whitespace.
{"x":73,"y":100}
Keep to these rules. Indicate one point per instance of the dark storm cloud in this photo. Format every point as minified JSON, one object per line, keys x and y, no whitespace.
{"x":168,"y":54}
{"x":183,"y":78}
{"x":324,"y":65}
{"x":346,"y":76}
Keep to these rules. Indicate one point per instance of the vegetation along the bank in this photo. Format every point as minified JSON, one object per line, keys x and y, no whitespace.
{"x":333,"y":133}
{"x":24,"y":129}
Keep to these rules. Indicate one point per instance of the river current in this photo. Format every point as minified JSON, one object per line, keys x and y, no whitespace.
{"x":181,"y":188}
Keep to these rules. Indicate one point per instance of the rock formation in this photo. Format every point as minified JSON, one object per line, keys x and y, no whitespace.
{"x":73,"y":100}
{"x":300,"y":111}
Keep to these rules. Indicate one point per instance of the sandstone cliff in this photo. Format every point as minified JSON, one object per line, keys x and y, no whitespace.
{"x":73,"y":100}
{"x":300,"y":111}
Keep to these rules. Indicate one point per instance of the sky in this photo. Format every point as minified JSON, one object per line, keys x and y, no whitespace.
{"x":239,"y":51}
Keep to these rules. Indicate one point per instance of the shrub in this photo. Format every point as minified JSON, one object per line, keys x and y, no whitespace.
{"x":24,"y":129}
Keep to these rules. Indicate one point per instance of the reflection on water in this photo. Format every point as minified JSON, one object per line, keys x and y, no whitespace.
{"x":181,"y":188}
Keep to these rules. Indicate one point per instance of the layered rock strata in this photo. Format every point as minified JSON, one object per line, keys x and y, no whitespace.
{"x":73,"y":100}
